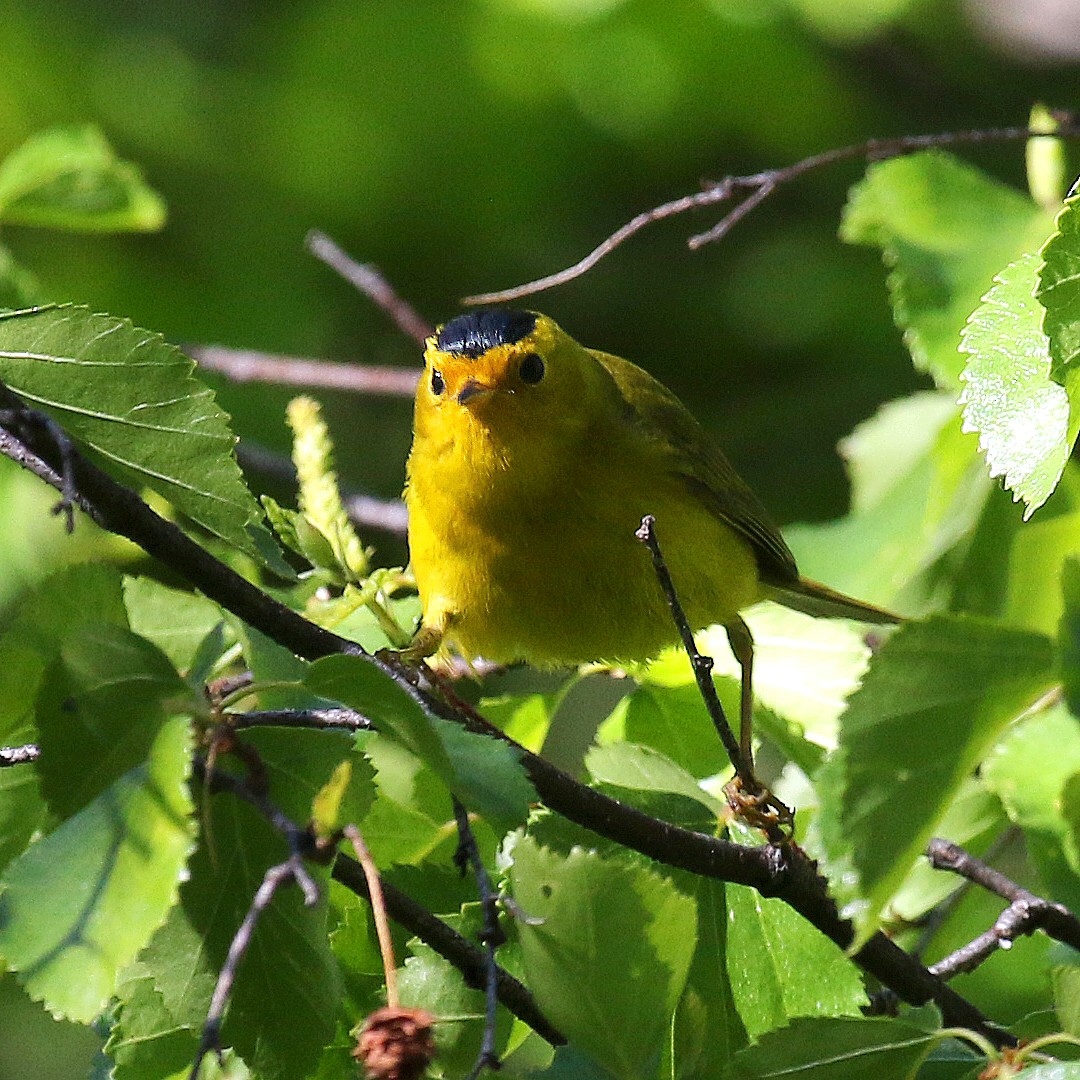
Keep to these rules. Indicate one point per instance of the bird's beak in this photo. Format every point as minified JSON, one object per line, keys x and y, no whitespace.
{"x":471,"y":389}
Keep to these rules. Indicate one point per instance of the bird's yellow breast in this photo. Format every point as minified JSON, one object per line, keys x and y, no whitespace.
{"x":522,"y":513}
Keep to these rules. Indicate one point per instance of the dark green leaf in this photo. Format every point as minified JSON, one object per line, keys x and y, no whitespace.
{"x":100,"y":710}
{"x":132,"y":398}
{"x":836,"y":1049}
{"x":607,"y":974}
{"x":70,"y":178}
{"x":1059,"y":294}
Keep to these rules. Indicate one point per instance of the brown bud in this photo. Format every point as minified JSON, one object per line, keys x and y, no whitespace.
{"x":396,"y":1043}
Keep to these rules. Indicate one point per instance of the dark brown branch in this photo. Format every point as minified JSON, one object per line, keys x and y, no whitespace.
{"x":247,"y":365}
{"x":451,"y":946}
{"x":784,"y":873}
{"x":1025,"y":914}
{"x":19,"y":755}
{"x":756,"y":187}
{"x":372,"y":284}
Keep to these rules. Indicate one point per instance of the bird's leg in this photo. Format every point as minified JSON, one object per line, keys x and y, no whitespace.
{"x":742,"y":645}
{"x":427,"y":640}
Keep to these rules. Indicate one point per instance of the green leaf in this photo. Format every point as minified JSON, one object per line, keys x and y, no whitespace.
{"x":1059,"y":294}
{"x":177,"y":622}
{"x":607,"y":974}
{"x":283,"y":1005}
{"x":80,"y":903}
{"x":100,"y":710}
{"x":934,"y":700}
{"x":780,"y":967}
{"x":427,"y":981}
{"x":919,"y":489}
{"x":1030,"y":770}
{"x":640,"y":768}
{"x":944,"y":229}
{"x":1065,"y":979}
{"x":70,"y":178}
{"x":61,"y":606}
{"x":131,"y":397}
{"x":485,"y":774}
{"x":1021,"y":415}
{"x":836,"y":1049}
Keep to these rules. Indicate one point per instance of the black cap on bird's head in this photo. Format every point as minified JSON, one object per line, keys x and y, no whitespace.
{"x":474,"y":333}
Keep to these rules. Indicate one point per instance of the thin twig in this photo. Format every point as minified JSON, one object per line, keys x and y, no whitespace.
{"x":320,"y":719}
{"x":702,"y":665}
{"x":372,"y":284}
{"x":378,"y":911}
{"x":491,"y":936}
{"x":19,"y":755}
{"x":757,"y":187}
{"x":1025,"y":914}
{"x":292,"y":869}
{"x":249,"y":365}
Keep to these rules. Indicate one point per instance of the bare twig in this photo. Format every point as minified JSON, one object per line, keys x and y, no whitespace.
{"x":491,"y":937}
{"x":757,"y":187}
{"x":702,"y":665}
{"x":19,"y":755}
{"x":378,"y":911}
{"x":292,"y":869}
{"x":1025,"y":914}
{"x":248,"y":365}
{"x":321,"y":719}
{"x":372,"y":284}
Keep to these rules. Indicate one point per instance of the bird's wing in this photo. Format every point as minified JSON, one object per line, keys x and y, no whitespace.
{"x":698,"y":461}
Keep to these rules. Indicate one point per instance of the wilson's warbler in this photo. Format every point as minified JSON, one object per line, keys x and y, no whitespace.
{"x":534,"y":461}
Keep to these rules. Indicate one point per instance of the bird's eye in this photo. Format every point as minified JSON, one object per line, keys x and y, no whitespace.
{"x":438,"y":385}
{"x":531,"y":369}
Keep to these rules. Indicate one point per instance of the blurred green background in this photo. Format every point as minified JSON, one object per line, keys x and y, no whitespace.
{"x":475,"y":144}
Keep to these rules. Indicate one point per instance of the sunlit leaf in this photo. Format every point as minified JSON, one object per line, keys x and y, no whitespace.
{"x":1021,"y":415}
{"x":934,"y":700}
{"x":131,"y":397}
{"x":110,"y":874}
{"x":70,"y":178}
{"x":608,"y":975}
{"x":944,"y":229}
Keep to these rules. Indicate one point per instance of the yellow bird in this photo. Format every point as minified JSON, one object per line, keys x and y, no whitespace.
{"x":533,"y":462}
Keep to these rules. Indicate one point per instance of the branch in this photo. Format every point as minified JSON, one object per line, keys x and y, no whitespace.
{"x":372,"y":284}
{"x":248,"y":365}
{"x":1025,"y":914}
{"x":757,"y":187}
{"x":468,"y":854}
{"x":785,"y":873}
{"x":18,"y":755}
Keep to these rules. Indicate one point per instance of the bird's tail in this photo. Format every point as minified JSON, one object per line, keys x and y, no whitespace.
{"x":813,"y":598}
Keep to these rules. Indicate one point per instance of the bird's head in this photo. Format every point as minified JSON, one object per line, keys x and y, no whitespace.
{"x":504,"y":368}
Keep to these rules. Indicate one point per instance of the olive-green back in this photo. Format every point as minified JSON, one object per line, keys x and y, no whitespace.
{"x":702,"y":465}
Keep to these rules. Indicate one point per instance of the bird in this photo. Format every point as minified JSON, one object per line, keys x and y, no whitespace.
{"x":534,"y":461}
